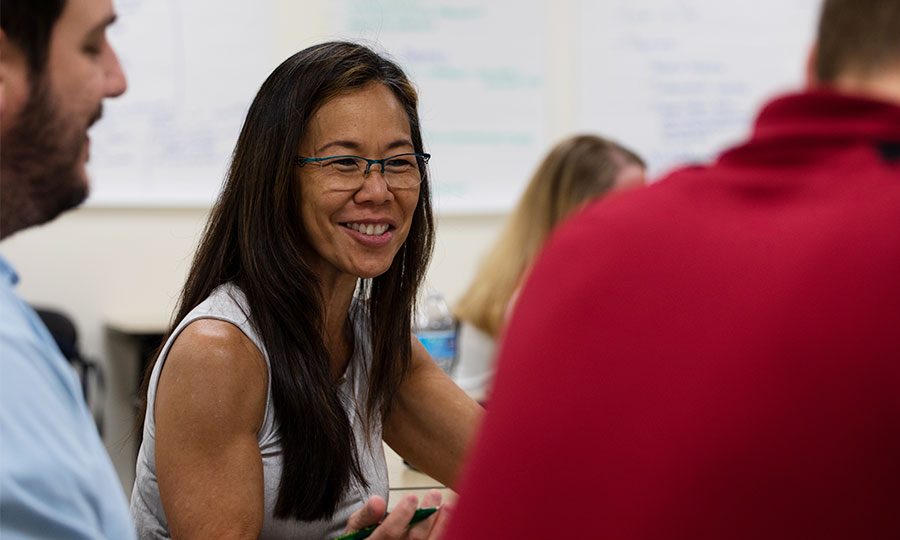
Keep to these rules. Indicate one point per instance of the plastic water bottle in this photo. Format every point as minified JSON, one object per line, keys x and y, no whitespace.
{"x":436,"y":329}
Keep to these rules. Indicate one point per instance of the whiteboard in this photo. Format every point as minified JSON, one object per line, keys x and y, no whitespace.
{"x":479,"y":67}
{"x":678,"y":81}
{"x":167,"y":140}
{"x":499,"y":83}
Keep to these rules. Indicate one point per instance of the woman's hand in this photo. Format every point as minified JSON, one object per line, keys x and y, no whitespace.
{"x":396,"y":525}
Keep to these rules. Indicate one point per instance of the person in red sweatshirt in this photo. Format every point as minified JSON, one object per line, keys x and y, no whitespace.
{"x":723,"y":361}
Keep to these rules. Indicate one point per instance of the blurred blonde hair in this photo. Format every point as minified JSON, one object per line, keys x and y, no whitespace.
{"x":576,"y":170}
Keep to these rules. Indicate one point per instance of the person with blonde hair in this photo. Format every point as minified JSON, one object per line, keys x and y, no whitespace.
{"x":577,"y":170}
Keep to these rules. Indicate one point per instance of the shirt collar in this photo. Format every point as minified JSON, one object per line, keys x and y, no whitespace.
{"x":828,"y":114}
{"x":7,"y":272}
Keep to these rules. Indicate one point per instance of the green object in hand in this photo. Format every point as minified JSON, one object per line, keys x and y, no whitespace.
{"x":418,"y":516}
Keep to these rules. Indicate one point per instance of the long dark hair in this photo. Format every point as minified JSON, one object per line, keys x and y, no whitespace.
{"x":255,"y":239}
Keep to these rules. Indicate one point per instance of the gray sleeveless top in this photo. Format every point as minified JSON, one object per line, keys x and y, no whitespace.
{"x":228,"y":303}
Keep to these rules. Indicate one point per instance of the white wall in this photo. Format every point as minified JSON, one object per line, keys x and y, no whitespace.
{"x":111,"y":264}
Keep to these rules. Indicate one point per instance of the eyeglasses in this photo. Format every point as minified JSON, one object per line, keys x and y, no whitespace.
{"x":349,"y":172}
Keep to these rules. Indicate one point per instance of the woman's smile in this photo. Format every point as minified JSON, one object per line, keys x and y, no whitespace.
{"x":370,"y":234}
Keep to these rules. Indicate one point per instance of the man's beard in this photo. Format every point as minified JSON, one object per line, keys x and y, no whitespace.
{"x":40,"y":170}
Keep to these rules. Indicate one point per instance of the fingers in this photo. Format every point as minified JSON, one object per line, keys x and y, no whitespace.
{"x":422,"y":530}
{"x":370,"y":514}
{"x":442,"y":518}
{"x":432,"y":499}
{"x":396,"y":525}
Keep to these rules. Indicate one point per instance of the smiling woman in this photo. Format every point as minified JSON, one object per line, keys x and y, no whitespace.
{"x":293,"y":356}
{"x":342,"y":204}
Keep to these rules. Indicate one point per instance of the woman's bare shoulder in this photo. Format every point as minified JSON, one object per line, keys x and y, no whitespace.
{"x":214,"y":368}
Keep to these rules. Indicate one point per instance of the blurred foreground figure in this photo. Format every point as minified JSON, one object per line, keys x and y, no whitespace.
{"x":723,"y":360}
{"x":56,"y":68}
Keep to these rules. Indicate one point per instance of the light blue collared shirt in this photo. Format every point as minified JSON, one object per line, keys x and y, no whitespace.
{"x":56,"y":479}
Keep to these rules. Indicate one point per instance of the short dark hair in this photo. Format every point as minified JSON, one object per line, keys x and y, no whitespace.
{"x":28,"y":24}
{"x":859,"y":37}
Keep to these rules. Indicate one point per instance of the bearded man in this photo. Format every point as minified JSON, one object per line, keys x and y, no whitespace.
{"x":56,"y":68}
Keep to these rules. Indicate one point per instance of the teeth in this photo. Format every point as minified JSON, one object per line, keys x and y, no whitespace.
{"x":369,"y":230}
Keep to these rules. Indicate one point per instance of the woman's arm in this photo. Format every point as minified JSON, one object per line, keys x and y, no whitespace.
{"x":432,"y":420}
{"x":210,"y":403}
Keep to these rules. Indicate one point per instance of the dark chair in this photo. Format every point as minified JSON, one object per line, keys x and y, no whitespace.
{"x":89,"y":372}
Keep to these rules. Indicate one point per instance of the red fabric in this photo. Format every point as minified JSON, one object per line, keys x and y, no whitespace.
{"x":714,"y":356}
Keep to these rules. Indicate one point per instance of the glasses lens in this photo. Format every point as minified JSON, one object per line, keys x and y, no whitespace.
{"x":343,"y":172}
{"x":404,"y":170}
{"x":344,"y":165}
